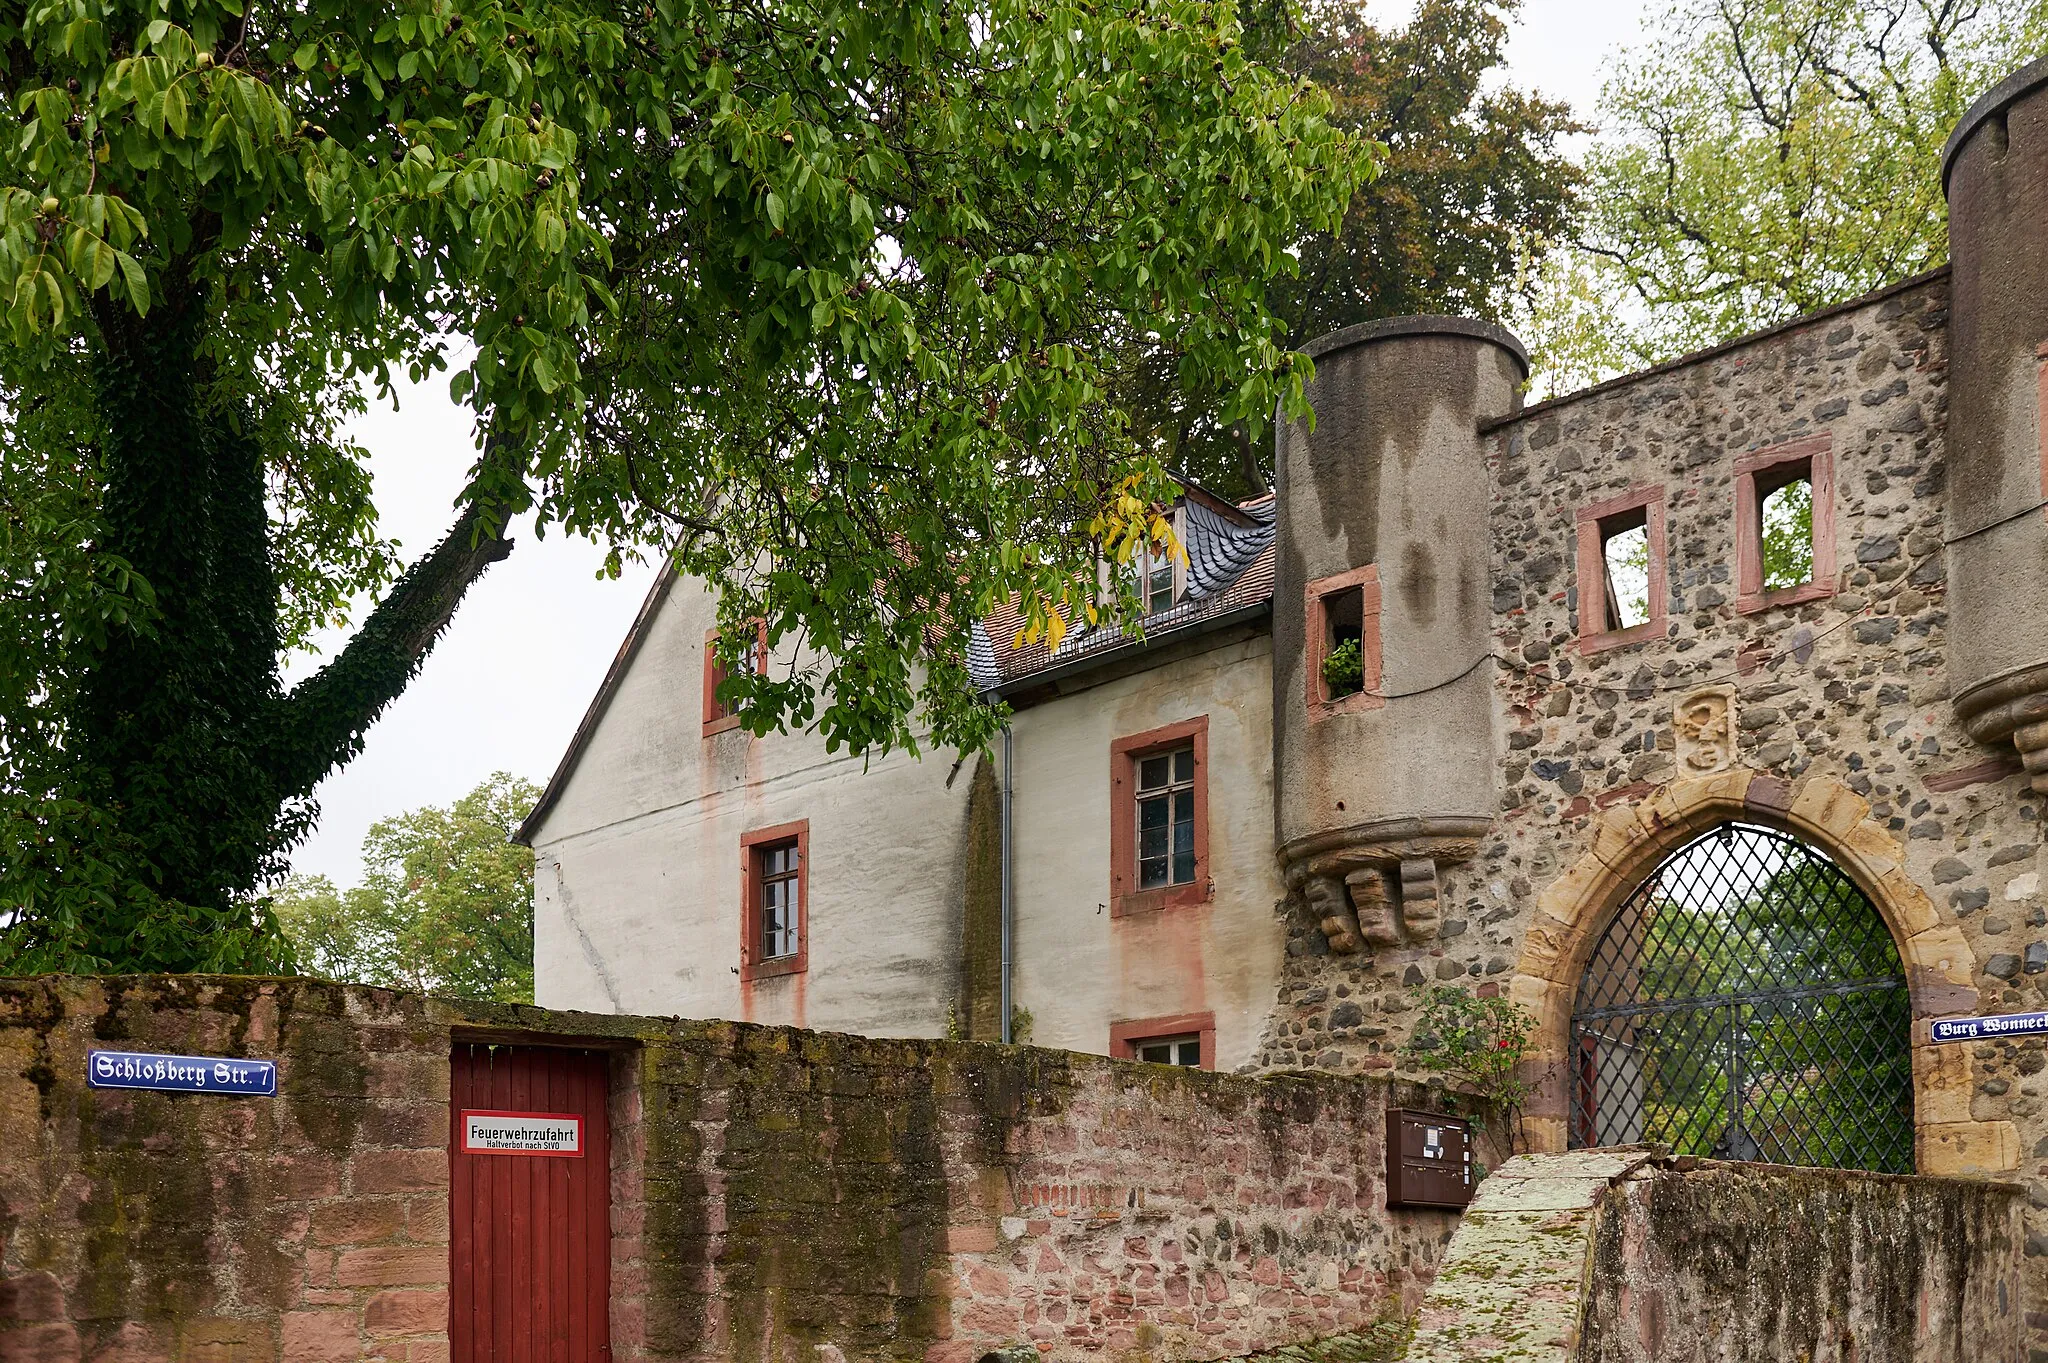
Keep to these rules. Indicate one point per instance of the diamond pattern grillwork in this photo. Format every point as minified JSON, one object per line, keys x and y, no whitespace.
{"x":1747,"y":1002}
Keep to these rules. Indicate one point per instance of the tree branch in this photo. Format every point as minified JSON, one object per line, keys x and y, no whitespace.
{"x":322,"y":722}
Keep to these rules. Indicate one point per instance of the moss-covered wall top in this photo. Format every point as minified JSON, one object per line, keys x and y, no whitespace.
{"x":1764,"y":1261}
{"x":776,"y":1195}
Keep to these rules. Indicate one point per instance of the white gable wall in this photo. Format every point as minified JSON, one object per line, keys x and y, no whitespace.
{"x":637,"y":874}
{"x":637,"y":900}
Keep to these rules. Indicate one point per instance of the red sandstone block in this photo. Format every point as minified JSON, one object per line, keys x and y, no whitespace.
{"x":216,"y":1339}
{"x":131,"y":1343}
{"x":398,"y":1075}
{"x":407,"y":1313}
{"x":318,"y":1269}
{"x":55,"y":1342}
{"x":320,"y":1337}
{"x":399,"y":1171}
{"x":31,"y":1297}
{"x":403,"y":1124}
{"x":426,"y":1220}
{"x":305,"y":1175}
{"x":425,"y":1351}
{"x":990,"y":1320}
{"x":392,"y":1266}
{"x":970,"y":1239}
{"x":358,"y":1221}
{"x":327,"y":1296}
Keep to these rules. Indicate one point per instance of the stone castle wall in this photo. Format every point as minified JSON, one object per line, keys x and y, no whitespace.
{"x":1839,"y":706}
{"x":775,"y":1194}
{"x":1624,"y":1255}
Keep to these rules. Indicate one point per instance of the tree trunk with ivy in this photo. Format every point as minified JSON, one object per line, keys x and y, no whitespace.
{"x":182,"y":727}
{"x":730,"y":292}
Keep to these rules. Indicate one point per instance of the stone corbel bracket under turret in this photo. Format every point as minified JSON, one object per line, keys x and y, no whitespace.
{"x":2012,"y":708}
{"x":1376,"y":885}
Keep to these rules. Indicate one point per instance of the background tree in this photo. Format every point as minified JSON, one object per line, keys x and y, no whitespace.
{"x":1473,"y":180}
{"x":1759,"y":159}
{"x":817,"y":293}
{"x":445,"y":907}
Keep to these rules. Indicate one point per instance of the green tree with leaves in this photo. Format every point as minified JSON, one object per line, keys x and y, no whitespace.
{"x":1760,"y":159}
{"x":445,"y":907}
{"x":1473,"y":179}
{"x":823,"y":299}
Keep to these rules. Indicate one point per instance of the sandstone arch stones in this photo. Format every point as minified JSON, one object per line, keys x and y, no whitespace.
{"x":1630,"y":840}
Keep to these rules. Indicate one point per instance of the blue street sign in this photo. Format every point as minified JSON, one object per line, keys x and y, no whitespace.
{"x":1981,"y":1029}
{"x":180,"y":1073}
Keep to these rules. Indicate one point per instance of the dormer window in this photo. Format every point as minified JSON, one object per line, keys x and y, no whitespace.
{"x":1158,"y":586}
{"x":1161,"y":577}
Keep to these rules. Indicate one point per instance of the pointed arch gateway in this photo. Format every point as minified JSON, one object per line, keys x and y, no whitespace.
{"x":1851,"y":854}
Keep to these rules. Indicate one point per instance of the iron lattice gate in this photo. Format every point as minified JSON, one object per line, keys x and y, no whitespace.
{"x":1747,"y":1002}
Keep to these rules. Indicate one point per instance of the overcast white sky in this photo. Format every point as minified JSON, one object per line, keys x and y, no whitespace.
{"x":505,"y":688}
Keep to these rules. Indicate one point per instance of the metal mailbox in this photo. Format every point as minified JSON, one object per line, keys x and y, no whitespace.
{"x":1429,"y":1159}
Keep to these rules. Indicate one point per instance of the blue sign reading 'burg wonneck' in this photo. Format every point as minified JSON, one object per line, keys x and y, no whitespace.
{"x":1979,"y":1029}
{"x":180,"y":1073}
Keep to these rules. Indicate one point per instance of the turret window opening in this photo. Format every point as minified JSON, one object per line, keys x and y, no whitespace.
{"x":1621,"y":579}
{"x":1343,"y":663}
{"x":1784,"y":524}
{"x":1625,"y":552}
{"x":1343,"y":643}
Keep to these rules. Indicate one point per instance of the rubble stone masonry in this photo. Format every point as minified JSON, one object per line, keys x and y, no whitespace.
{"x":1840,"y":725}
{"x":776,"y":1194}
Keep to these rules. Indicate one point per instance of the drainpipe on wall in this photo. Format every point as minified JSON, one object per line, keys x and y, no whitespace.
{"x":1009,"y":800}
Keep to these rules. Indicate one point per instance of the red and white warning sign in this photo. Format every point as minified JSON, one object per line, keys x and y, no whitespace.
{"x":521,"y":1133}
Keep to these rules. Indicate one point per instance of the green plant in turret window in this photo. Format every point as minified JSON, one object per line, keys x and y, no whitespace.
{"x":1344,"y":669}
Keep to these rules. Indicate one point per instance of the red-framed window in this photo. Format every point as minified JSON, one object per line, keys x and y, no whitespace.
{"x":1622,"y":570}
{"x":1785,"y":525}
{"x":717,"y":717}
{"x":1186,"y":1039}
{"x":1343,"y":615}
{"x":1159,"y":818}
{"x":775,"y":927}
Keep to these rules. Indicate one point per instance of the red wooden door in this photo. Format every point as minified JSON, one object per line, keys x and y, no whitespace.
{"x":529,"y":1240}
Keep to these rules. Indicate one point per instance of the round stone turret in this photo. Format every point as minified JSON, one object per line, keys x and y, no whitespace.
{"x":1382,"y":615}
{"x":1996,"y":174}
